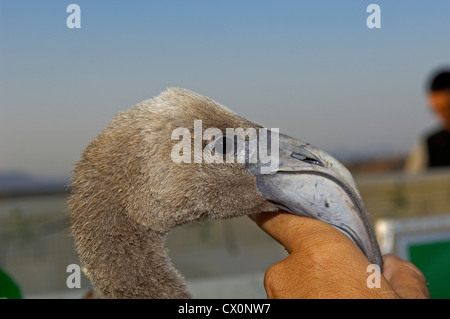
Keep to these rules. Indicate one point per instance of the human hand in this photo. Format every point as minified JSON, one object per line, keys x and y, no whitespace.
{"x":324,"y":263}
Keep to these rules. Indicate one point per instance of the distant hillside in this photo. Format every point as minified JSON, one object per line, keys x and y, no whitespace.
{"x":18,"y":183}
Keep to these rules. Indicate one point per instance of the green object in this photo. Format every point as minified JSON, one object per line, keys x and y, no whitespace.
{"x":8,"y":288}
{"x":433,"y":259}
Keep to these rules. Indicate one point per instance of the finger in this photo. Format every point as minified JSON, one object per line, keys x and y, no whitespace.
{"x":298,"y":233}
{"x":405,"y":278}
{"x":283,"y":227}
{"x":292,"y":231}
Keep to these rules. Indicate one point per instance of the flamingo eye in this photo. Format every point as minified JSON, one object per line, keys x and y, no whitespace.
{"x":225,"y":145}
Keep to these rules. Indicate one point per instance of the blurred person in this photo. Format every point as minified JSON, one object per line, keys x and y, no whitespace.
{"x":433,"y":150}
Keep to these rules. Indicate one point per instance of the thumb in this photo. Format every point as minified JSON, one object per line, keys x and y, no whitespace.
{"x":297,"y":233}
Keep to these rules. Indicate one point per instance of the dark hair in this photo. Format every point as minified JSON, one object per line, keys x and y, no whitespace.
{"x":440,"y":81}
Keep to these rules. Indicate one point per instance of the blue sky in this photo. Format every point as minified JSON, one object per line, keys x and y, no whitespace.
{"x":313,"y":69}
